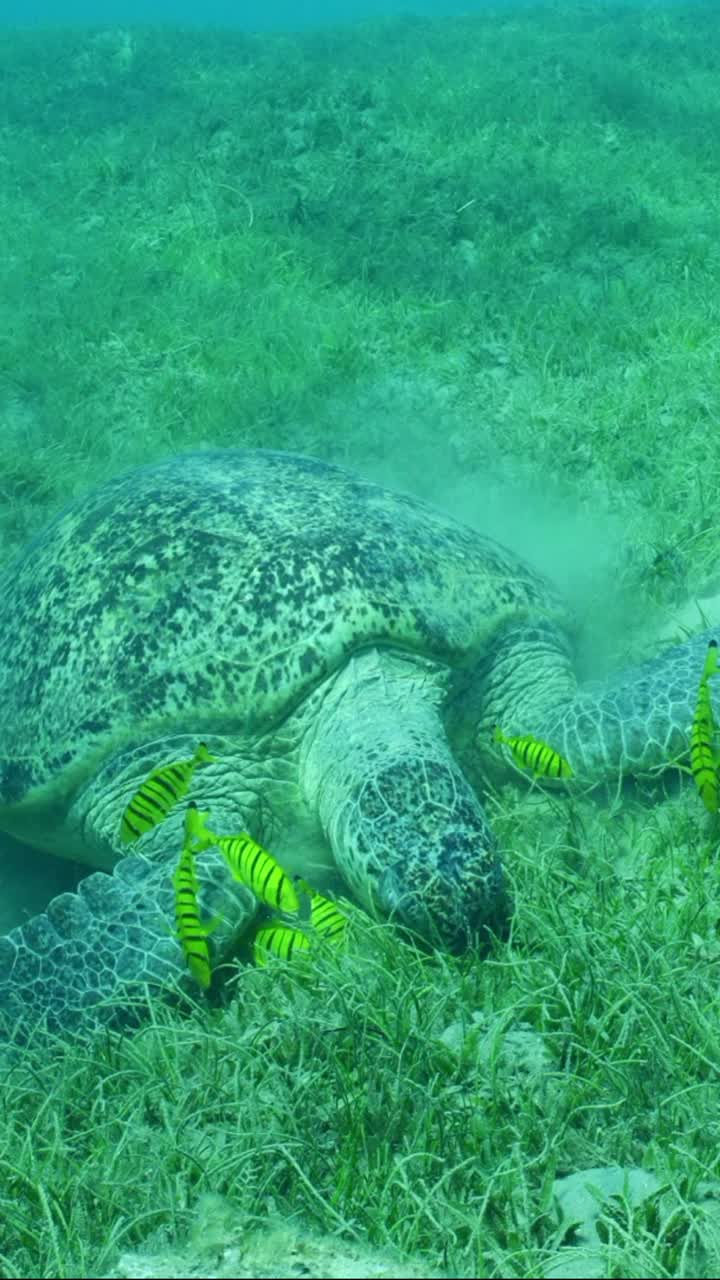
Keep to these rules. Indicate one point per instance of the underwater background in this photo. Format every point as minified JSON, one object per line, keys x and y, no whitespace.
{"x":248,"y":15}
{"x":472,"y":252}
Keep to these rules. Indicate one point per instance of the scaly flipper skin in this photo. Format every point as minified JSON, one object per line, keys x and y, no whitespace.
{"x":96,"y":952}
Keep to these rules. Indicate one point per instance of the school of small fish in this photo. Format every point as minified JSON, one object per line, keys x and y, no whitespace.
{"x":247,"y":861}
{"x":251,"y":864}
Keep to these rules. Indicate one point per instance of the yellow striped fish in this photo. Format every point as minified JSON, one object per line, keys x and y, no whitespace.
{"x":158,"y":793}
{"x":531,"y":753}
{"x":278,"y":940}
{"x":703,"y":759}
{"x":326,"y":918}
{"x":257,"y":868}
{"x":191,"y":931}
{"x":197,"y":836}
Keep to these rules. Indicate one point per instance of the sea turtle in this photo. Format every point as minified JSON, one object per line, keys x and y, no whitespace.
{"x":343,"y":651}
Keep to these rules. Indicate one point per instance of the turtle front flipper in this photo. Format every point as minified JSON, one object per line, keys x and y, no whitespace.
{"x":406,"y":828}
{"x":636,"y":722}
{"x":92,"y":953}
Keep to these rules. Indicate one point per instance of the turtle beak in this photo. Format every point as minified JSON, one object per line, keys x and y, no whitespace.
{"x":409,"y":907}
{"x":438,"y":913}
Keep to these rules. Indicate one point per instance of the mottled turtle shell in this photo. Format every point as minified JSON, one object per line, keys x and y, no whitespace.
{"x":213,"y":592}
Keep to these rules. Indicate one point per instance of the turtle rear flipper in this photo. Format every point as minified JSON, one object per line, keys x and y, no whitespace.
{"x":94,"y":953}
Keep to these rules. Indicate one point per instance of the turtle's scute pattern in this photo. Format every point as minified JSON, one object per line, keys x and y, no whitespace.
{"x":215,"y":590}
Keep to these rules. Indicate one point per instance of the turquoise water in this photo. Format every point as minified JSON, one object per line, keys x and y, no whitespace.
{"x":243,"y":14}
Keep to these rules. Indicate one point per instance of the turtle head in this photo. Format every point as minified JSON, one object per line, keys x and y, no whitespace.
{"x":406,"y":827}
{"x":455,"y":911}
